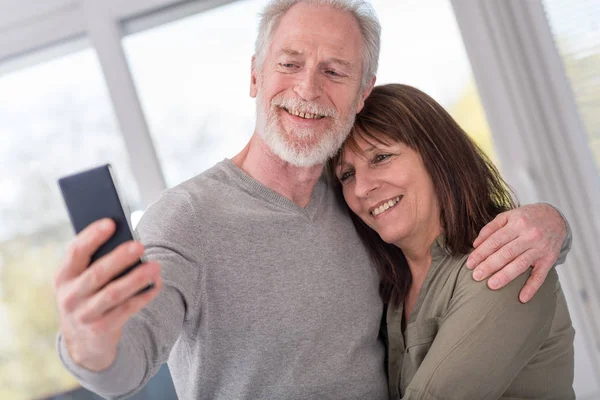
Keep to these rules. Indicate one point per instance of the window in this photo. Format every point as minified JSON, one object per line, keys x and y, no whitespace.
{"x":576,"y":29}
{"x":421,"y":46}
{"x":193,"y":77}
{"x":55,"y":119}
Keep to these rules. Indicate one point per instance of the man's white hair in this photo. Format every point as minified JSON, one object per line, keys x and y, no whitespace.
{"x":360,"y":10}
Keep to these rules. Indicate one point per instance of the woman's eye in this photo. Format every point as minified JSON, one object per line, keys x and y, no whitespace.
{"x":345,"y":176}
{"x":381,"y":157}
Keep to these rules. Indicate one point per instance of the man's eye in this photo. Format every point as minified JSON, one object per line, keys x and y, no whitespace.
{"x":332,"y":73}
{"x":344,"y":176}
{"x":288,"y":65}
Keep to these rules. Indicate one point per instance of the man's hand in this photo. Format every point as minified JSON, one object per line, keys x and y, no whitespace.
{"x":92,"y":309}
{"x":530,"y":235}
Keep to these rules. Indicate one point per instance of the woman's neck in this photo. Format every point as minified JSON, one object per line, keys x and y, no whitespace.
{"x":417,"y":251}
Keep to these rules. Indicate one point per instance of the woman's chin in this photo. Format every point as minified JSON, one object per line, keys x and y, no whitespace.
{"x":391,"y":237}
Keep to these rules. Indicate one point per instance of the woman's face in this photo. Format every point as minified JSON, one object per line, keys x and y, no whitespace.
{"x":389,"y":188}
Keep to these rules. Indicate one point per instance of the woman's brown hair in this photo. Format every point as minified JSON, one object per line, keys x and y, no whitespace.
{"x":468,"y":186}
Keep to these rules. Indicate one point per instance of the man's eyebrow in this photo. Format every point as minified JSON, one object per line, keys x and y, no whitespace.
{"x":344,"y":63}
{"x":292,"y":52}
{"x":289,"y":52}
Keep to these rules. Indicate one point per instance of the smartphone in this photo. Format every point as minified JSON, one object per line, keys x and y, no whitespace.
{"x":92,"y":195}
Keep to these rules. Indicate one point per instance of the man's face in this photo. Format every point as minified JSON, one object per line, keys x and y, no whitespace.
{"x":308,"y":89}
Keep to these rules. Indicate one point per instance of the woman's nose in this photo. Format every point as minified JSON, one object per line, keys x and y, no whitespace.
{"x":365,"y":184}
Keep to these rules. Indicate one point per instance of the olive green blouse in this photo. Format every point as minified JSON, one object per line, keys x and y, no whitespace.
{"x":465,"y":341}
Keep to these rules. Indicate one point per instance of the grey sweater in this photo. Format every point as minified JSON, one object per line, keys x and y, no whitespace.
{"x":262,"y":299}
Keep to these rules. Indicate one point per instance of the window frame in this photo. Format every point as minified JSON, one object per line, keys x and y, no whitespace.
{"x":542,"y":145}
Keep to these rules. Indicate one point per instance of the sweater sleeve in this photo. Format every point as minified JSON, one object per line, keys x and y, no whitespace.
{"x":567,"y":243}
{"x":169,"y":233}
{"x":484,"y":340}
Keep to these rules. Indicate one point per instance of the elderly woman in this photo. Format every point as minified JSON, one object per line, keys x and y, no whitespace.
{"x":420,"y":190}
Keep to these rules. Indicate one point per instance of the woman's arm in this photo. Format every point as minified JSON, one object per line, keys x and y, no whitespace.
{"x":484,"y":341}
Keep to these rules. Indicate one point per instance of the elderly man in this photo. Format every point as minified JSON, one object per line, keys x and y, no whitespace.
{"x":266,"y":291}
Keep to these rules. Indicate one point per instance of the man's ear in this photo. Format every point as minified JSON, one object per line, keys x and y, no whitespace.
{"x":366,"y":92}
{"x":253,"y":78}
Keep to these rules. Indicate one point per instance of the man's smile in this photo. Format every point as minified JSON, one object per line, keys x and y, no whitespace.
{"x":303,"y":114}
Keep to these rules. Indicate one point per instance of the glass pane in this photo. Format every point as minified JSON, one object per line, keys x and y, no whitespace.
{"x":194,"y":86}
{"x":576,"y":29}
{"x":194,"y":83}
{"x":55,"y":119}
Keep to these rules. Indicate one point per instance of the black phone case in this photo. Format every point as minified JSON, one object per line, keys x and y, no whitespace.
{"x":92,"y":195}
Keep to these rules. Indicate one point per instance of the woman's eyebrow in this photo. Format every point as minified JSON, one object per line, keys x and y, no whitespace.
{"x":341,"y":165}
{"x":369,"y":149}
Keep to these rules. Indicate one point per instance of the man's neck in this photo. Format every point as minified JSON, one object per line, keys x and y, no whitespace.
{"x":294,"y":183}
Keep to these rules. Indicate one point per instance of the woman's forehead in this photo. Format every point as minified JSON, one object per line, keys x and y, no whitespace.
{"x":361,"y":144}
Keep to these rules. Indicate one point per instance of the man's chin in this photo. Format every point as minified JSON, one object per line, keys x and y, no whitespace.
{"x":301,"y":160}
{"x":298,"y":157}
{"x":302,"y":148}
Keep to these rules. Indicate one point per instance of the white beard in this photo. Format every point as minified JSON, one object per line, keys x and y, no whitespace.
{"x":311,"y":154}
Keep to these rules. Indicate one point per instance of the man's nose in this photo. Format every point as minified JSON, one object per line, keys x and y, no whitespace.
{"x":309,"y":86}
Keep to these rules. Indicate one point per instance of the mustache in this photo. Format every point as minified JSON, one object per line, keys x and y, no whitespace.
{"x":303,"y":106}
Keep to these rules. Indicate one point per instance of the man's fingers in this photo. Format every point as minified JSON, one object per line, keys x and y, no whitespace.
{"x":119,"y":291}
{"x":536,"y":279}
{"x":500,"y":258}
{"x":81,"y":249}
{"x":515,"y":268}
{"x":116,"y":318}
{"x":496,"y":224}
{"x":492,"y":243}
{"x":106,"y":268}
